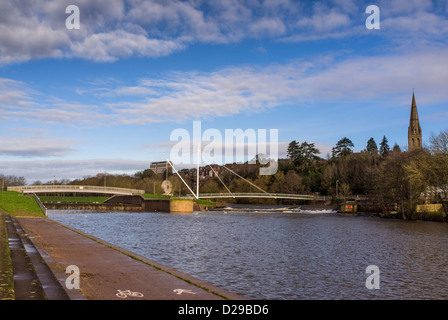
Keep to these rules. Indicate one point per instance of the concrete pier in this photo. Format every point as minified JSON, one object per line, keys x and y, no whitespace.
{"x":108,"y":272}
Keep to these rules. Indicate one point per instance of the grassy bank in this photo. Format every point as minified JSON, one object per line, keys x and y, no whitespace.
{"x":16,"y":204}
{"x":206,"y":202}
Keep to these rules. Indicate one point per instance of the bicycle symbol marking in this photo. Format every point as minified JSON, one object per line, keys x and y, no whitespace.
{"x":180,"y":291}
{"x":128,"y":293}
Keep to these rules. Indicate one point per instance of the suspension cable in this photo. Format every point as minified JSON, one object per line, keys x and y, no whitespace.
{"x":246,"y":180}
{"x":175,"y":171}
{"x":221,"y":181}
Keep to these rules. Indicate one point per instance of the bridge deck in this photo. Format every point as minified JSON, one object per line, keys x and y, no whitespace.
{"x":263,"y":195}
{"x":124,"y":191}
{"x":75,"y":188}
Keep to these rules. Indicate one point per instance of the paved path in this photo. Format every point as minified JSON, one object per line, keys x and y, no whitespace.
{"x":105,"y":269}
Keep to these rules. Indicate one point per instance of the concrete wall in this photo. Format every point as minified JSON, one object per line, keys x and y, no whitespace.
{"x":125,"y":200}
{"x":179,"y":206}
{"x":156,"y":205}
{"x":172,"y":206}
{"x":130,"y":203}
{"x":145,"y":205}
{"x":93,"y":206}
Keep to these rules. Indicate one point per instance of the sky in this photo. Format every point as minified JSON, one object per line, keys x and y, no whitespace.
{"x":106,"y":98}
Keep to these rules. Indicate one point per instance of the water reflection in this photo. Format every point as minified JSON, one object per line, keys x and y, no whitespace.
{"x":279,"y":255}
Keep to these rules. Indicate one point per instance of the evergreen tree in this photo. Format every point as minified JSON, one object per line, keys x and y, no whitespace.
{"x":307,"y":152}
{"x":372,"y":147}
{"x":384,"y":147}
{"x":396,"y":148}
{"x":293,"y":150}
{"x":343,"y":148}
{"x":302,"y":153}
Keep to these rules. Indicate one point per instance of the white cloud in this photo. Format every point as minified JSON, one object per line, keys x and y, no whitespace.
{"x":268,"y":26}
{"x":180,"y":96}
{"x":418,"y":24}
{"x":406,"y":6}
{"x":20,"y":102}
{"x":28,"y":142}
{"x":382,"y":76}
{"x":105,"y":47}
{"x":46,"y":170}
{"x":34,"y":146}
{"x":116,"y":29}
{"x":325,"y":21}
{"x":230,"y":91}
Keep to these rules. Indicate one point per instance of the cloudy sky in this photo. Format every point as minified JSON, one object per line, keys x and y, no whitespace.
{"x":107,"y":96}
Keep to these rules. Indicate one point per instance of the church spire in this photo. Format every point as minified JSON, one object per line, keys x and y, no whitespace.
{"x":414,"y":113}
{"x":414,"y":130}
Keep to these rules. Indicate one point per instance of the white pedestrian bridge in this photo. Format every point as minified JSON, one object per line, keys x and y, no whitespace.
{"x":75,"y":189}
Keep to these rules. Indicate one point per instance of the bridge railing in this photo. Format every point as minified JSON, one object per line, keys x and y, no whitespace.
{"x":74,"y":188}
{"x":40,"y":204}
{"x":264,"y":195}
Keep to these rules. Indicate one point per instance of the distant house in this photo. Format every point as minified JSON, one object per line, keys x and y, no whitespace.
{"x":209,"y":171}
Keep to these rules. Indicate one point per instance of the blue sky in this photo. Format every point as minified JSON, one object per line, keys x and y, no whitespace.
{"x":106,"y":97}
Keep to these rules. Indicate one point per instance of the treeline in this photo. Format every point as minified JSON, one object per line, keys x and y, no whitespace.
{"x":391,"y":178}
{"x":10,"y":181}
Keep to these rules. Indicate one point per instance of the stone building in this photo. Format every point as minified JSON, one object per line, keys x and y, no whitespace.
{"x":160,"y":167}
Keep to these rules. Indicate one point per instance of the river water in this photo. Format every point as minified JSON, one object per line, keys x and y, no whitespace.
{"x":285,"y":255}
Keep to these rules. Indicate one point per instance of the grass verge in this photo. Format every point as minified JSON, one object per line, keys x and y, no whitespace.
{"x":16,"y":204}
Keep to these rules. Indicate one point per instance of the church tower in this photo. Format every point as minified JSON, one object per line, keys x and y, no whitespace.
{"x":414,"y":130}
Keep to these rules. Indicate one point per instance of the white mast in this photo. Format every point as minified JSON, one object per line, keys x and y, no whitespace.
{"x":175,"y":171}
{"x":197,"y":174}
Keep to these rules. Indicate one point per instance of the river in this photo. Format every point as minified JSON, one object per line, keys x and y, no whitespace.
{"x":285,"y":255}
